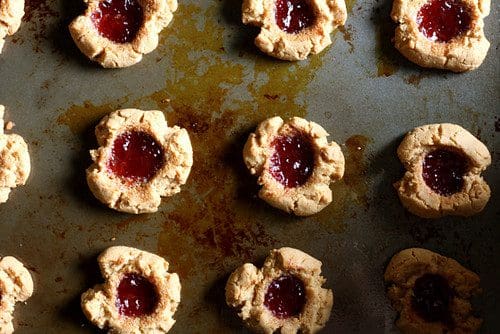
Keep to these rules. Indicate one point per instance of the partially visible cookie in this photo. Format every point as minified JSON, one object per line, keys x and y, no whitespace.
{"x":140,"y":160}
{"x":445,"y":34}
{"x":16,"y":285}
{"x":14,"y":161}
{"x":431,"y":293}
{"x":11,"y":13}
{"x":294,"y":29}
{"x":443,"y":165}
{"x":295,"y":164}
{"x":285,"y":296}
{"x":116,"y":33}
{"x":139,"y":295}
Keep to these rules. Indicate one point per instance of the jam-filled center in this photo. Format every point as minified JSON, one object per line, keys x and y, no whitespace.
{"x":136,"y":156}
{"x":442,"y":20}
{"x":443,"y":171}
{"x":431,"y":298}
{"x":136,"y":296}
{"x":118,"y":20}
{"x":292,"y":16}
{"x":285,"y":296}
{"x":292,"y":162}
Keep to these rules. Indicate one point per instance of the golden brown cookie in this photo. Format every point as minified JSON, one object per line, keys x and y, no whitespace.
{"x":11,"y":13}
{"x":431,"y":293}
{"x":293,"y":29}
{"x":140,"y":160}
{"x":116,"y":33}
{"x":285,"y":296}
{"x":443,"y":165}
{"x":138,"y":296}
{"x":445,"y":34}
{"x":295,"y":164}
{"x":14,"y":161}
{"x":16,"y":285}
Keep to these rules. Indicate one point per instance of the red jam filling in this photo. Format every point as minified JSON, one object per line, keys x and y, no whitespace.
{"x":136,"y":156}
{"x":136,"y":296}
{"x":294,"y":15}
{"x":292,"y":162}
{"x":285,"y":297}
{"x":442,"y":20}
{"x":118,"y":20}
{"x":431,"y":298}
{"x":443,"y":171}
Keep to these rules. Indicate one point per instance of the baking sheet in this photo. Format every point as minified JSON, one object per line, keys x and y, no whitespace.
{"x":207,"y":76}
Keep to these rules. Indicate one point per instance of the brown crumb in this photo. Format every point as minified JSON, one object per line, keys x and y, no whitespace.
{"x":9,"y":125}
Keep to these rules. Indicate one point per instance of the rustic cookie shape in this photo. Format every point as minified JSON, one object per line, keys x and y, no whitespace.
{"x":16,"y":285}
{"x":11,"y":13}
{"x":431,"y":293}
{"x":295,"y":164}
{"x":140,"y":160}
{"x":443,"y":165}
{"x":285,"y":296}
{"x":293,"y":29}
{"x":14,"y":161}
{"x":139,"y":294}
{"x":116,"y":33}
{"x":445,"y":34}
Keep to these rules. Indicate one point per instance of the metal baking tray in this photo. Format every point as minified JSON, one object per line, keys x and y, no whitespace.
{"x":207,"y":76}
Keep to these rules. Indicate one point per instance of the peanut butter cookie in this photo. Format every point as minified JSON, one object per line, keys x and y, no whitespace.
{"x":293,"y":29}
{"x":116,"y":33}
{"x":443,"y":165}
{"x":285,"y":296}
{"x":445,"y":34}
{"x":140,"y":160}
{"x":295,"y":164}
{"x":138,"y":296}
{"x":431,"y":293}
{"x":11,"y":13}
{"x":16,"y":285}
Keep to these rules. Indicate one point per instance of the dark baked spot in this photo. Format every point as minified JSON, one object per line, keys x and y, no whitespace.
{"x":136,"y":296}
{"x":285,"y":296}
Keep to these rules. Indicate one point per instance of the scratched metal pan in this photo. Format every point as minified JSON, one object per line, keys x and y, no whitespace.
{"x":207,"y":76}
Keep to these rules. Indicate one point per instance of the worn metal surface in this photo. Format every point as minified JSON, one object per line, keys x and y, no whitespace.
{"x":207,"y":76}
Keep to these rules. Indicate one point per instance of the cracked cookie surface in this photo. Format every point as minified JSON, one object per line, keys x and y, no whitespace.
{"x":305,"y":28}
{"x":298,"y":181}
{"x":16,"y":285}
{"x":11,"y":13}
{"x":431,"y":292}
{"x":435,"y":43}
{"x":139,"y":294}
{"x":256,"y":294}
{"x":450,"y":187}
{"x":15,"y":163}
{"x":117,"y":33}
{"x":140,"y":160}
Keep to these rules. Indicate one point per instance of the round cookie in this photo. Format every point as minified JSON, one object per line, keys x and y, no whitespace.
{"x":116,"y":33}
{"x":293,"y":29}
{"x":285,"y":296}
{"x":443,"y":165}
{"x":16,"y":285}
{"x":295,"y":164}
{"x":431,"y":293}
{"x":140,"y":160}
{"x":14,"y":161}
{"x":11,"y":13}
{"x":139,"y":295}
{"x":445,"y":34}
